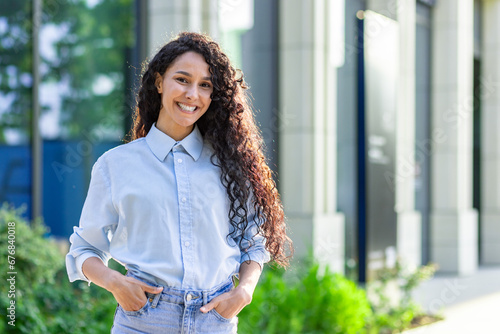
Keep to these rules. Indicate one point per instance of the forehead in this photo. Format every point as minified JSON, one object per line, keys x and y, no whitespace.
{"x":190,"y":62}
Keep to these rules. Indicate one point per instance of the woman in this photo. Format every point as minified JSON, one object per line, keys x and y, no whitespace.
{"x":185,"y":206}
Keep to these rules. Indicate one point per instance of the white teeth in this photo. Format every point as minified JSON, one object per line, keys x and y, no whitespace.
{"x":185,"y":107}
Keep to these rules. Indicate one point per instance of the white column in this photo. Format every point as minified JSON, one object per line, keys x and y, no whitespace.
{"x":490,"y":132}
{"x":409,"y":221}
{"x":453,"y":220}
{"x":168,"y":18}
{"x":307,"y":154}
{"x":210,"y":17}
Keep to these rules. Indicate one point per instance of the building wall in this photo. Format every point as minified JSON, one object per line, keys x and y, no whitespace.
{"x":435,"y":217}
{"x":454,"y":224}
{"x":306,"y":94}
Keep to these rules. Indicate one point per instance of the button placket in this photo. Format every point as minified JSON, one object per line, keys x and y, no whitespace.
{"x":185,"y":216}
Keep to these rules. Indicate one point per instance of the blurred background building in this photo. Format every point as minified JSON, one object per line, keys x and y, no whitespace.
{"x":381,"y":117}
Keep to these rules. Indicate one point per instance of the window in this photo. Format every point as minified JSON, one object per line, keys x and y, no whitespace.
{"x":16,"y":83}
{"x":88,"y":64}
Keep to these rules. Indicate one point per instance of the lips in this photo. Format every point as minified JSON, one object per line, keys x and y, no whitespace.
{"x":187,"y":108}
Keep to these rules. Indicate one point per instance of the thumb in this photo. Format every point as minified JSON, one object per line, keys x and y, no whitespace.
{"x":151,"y":289}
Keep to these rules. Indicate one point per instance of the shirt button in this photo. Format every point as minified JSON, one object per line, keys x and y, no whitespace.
{"x":179,"y":161}
{"x":184,"y":199}
{"x":189,"y":297}
{"x":187,"y":244}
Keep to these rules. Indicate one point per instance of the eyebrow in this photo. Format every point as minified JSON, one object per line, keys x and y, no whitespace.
{"x":189,"y":75}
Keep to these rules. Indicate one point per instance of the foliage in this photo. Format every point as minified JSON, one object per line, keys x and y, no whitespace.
{"x":308,"y":302}
{"x":390,"y":317}
{"x":46,"y":302}
{"x":15,"y":66}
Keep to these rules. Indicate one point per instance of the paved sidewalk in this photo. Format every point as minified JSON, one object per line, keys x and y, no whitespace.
{"x":470,"y":305}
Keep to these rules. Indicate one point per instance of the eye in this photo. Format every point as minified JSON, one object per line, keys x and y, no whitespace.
{"x":206,"y":85}
{"x":182,"y":80}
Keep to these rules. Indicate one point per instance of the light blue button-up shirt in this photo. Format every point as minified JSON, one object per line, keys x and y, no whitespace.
{"x":158,"y":207}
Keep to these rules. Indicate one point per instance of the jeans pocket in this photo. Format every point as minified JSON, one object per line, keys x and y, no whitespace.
{"x":139,"y":311}
{"x":219,"y":317}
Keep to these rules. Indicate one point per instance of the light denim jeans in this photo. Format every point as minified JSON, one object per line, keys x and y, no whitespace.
{"x":176,"y":311}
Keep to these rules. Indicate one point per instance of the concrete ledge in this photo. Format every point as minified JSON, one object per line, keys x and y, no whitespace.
{"x":324,"y":235}
{"x":454,"y":243}
{"x":329,"y":241}
{"x":409,"y":242}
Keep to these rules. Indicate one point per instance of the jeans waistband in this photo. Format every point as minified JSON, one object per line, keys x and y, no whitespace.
{"x":186,"y":296}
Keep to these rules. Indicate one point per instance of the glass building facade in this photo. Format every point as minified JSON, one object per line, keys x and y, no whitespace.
{"x":79,"y":94}
{"x":16,"y":103}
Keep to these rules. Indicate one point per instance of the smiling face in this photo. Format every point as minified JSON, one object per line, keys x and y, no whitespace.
{"x":185,"y":90}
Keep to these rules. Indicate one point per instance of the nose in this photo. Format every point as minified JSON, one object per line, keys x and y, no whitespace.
{"x":192,"y":92}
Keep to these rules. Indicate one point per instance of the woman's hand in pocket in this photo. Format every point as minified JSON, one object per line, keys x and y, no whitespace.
{"x":229,"y":304}
{"x":130,"y":293}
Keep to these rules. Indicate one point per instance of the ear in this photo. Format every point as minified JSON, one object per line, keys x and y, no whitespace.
{"x":159,"y":83}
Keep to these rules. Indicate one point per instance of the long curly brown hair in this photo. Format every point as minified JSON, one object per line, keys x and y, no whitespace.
{"x":229,"y":126}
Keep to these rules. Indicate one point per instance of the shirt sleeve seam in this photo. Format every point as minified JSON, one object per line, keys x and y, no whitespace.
{"x":105,"y":174}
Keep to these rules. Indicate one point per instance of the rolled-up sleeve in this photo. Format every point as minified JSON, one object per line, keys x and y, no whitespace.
{"x":97,"y":224}
{"x":252,"y":243}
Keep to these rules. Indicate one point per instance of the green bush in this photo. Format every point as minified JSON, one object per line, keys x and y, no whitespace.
{"x":309,"y":302}
{"x":45,"y":301}
{"x":395,"y":318}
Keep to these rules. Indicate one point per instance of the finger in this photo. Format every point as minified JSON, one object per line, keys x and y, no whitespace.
{"x":208,"y":307}
{"x":152,"y":289}
{"x":148,"y":288}
{"x":215,"y":302}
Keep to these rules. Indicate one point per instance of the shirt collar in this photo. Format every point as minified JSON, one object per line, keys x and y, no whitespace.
{"x":161,"y":144}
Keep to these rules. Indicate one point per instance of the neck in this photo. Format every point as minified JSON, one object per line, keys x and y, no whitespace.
{"x":177,"y":133}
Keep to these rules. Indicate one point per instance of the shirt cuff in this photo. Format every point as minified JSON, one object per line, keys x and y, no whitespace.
{"x":74,"y":266}
{"x":260,"y":257}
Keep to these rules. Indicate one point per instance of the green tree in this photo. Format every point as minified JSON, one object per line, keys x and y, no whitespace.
{"x":15,"y":67}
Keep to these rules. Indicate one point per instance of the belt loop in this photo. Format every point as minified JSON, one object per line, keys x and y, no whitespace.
{"x":155,"y":300}
{"x":205,"y":297}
